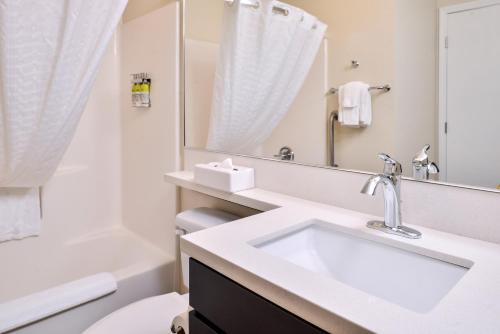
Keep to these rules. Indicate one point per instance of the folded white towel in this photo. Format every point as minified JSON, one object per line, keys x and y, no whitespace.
{"x":355,"y":106}
{"x":365,"y":111}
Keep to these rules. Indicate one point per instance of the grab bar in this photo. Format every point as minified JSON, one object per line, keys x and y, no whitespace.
{"x":331,"y":125}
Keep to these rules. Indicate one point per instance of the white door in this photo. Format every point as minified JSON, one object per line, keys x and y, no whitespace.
{"x":471,"y":91}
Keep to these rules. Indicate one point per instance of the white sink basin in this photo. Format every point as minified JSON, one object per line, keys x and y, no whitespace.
{"x":408,"y":279}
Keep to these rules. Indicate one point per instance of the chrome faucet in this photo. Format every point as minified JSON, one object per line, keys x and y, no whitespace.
{"x":422,"y":168}
{"x":391,"y":183}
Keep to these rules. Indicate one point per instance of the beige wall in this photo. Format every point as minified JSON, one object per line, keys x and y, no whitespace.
{"x":138,"y":8}
{"x":203,"y":20}
{"x":395,"y":43}
{"x":150,"y":145}
{"x":415,"y":85}
{"x":200,"y":59}
{"x":306,"y":119}
{"x":364,"y":31}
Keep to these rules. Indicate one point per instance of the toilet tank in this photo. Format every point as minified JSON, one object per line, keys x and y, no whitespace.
{"x":198,"y":219}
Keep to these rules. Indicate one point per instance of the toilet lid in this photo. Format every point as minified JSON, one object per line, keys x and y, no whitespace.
{"x":148,"y":316}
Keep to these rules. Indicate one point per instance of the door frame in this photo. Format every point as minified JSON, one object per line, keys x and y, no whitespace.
{"x":443,"y":73}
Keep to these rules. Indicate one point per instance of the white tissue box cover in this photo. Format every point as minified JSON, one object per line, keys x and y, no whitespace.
{"x":229,"y":180}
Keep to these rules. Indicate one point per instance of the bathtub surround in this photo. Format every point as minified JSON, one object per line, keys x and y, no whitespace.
{"x":49,"y":59}
{"x":264,"y":59}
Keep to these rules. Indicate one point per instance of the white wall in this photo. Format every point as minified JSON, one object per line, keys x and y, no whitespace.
{"x":150,"y":144}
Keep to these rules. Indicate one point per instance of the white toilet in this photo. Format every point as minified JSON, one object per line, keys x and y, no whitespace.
{"x":155,"y":315}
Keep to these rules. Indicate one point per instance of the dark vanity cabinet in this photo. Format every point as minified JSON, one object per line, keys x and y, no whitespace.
{"x":223,"y":306}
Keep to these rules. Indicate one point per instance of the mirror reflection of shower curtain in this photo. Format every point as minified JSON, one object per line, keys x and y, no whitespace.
{"x":50,"y":53}
{"x":264,"y":60}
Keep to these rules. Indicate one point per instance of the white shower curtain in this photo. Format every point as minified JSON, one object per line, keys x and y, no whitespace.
{"x":50,"y":52}
{"x":264,"y":60}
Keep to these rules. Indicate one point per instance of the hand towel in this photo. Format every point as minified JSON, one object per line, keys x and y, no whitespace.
{"x":365,"y":111}
{"x":355,"y":105}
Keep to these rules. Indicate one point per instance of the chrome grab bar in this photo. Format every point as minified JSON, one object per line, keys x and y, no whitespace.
{"x":331,"y":138}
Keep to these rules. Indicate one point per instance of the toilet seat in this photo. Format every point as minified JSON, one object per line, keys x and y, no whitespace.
{"x":148,"y":316}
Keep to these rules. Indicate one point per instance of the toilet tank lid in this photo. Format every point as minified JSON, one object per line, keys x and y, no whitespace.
{"x":201,"y":218}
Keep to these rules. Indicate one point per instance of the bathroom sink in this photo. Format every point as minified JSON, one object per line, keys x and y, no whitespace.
{"x":413,"y":281}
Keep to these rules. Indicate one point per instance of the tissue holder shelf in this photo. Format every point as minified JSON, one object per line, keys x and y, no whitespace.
{"x":231,"y":180}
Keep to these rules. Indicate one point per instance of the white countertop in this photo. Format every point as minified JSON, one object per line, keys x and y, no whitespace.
{"x":472,"y":306}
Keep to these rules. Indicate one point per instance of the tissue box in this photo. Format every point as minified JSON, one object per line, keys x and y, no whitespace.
{"x":232,"y":180}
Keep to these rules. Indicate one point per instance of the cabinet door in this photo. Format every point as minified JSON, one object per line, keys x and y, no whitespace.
{"x":198,"y":326}
{"x":234,"y":309}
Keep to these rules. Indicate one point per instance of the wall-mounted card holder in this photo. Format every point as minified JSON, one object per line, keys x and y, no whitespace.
{"x":141,"y":90}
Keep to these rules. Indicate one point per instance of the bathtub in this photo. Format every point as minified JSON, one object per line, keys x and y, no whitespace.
{"x":72,"y":285}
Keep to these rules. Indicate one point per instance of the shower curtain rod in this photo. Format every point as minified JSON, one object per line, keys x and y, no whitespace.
{"x":256,"y":4}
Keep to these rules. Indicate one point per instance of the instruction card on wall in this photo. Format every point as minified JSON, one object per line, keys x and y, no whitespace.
{"x":141,"y":90}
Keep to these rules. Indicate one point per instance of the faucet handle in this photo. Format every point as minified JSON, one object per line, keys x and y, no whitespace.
{"x":422,"y":167}
{"x":422,"y":158}
{"x":391,"y":166}
{"x":433,"y":168}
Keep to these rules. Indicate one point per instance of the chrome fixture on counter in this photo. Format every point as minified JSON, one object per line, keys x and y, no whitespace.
{"x":391,"y":183}
{"x":286,"y":154}
{"x":383,"y":89}
{"x":422,"y":168}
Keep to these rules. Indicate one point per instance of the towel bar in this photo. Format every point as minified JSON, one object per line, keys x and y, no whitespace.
{"x":384,"y":89}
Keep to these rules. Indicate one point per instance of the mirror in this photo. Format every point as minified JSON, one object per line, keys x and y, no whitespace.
{"x":429,"y":66}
